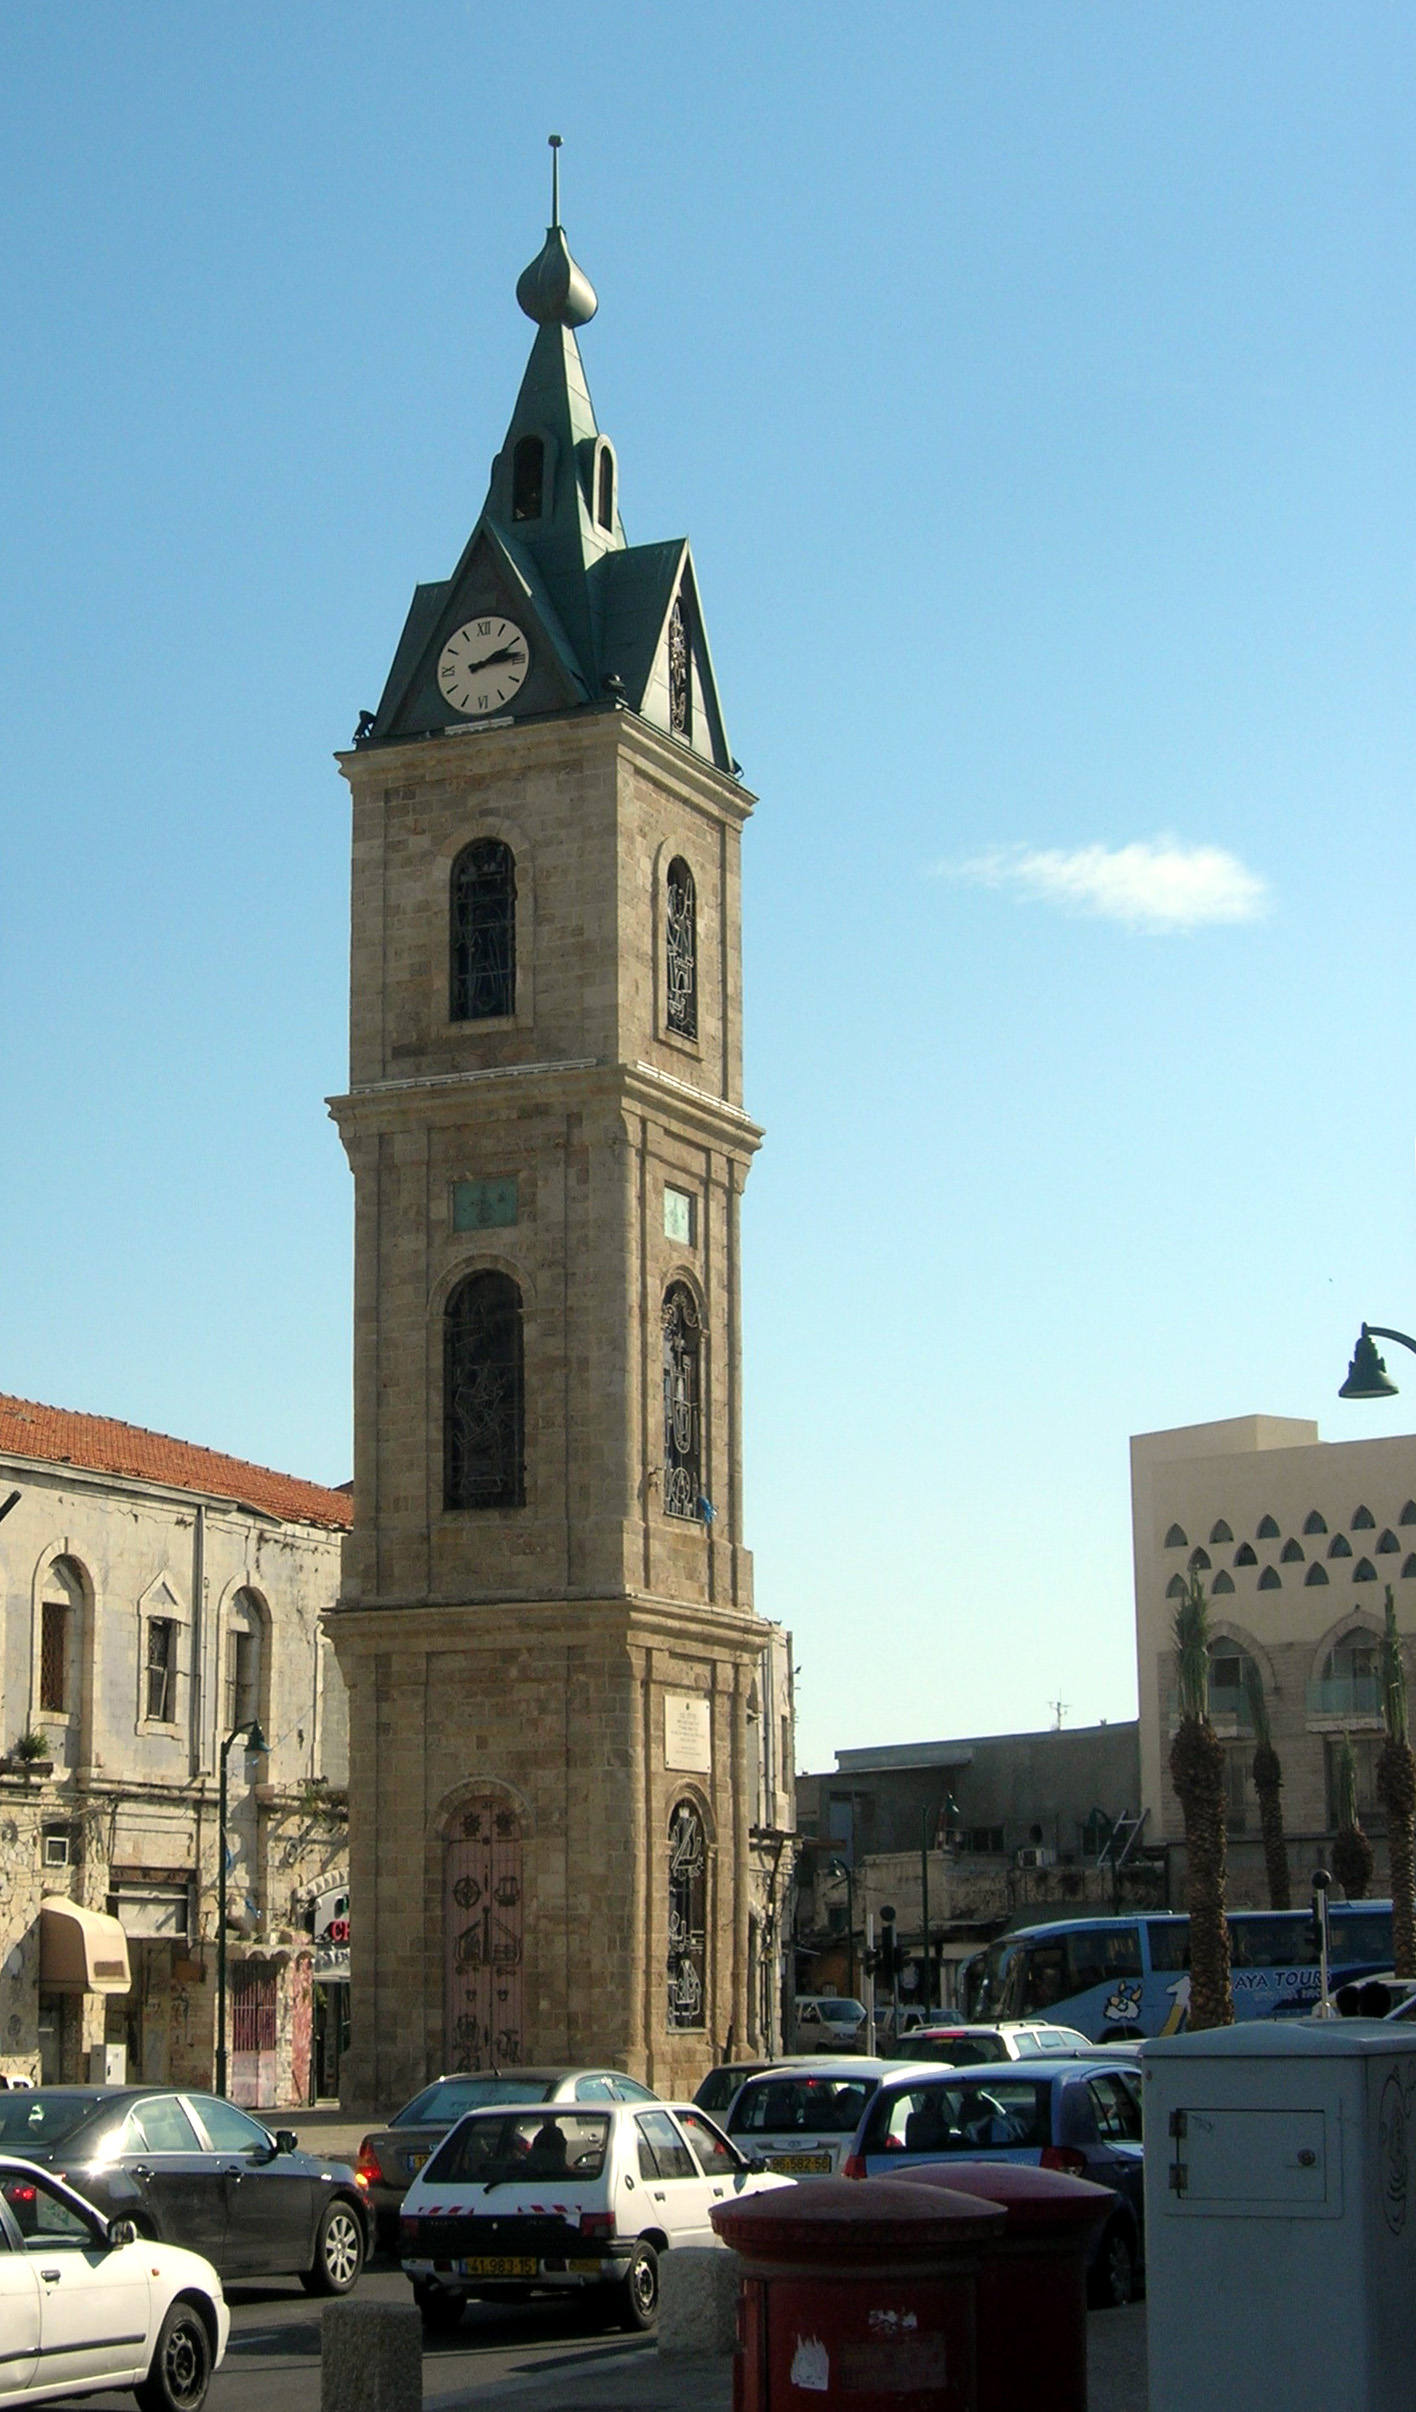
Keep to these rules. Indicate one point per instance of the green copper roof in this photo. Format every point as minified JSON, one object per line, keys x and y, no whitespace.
{"x":548,"y":552}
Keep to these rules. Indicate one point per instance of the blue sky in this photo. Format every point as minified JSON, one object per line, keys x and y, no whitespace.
{"x":1036,"y":386}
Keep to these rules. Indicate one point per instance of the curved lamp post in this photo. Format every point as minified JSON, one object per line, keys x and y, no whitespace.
{"x":1367,"y":1374}
{"x":255,"y":1747}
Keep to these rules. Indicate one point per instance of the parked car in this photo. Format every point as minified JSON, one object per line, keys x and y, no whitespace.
{"x":828,"y":2022}
{"x":1080,"y":2116}
{"x":800,"y":2120}
{"x":716,"y":2093}
{"x":963,"y":2045}
{"x":560,"y":2197}
{"x":89,"y":2306}
{"x":391,"y":2156}
{"x":193,"y":2170}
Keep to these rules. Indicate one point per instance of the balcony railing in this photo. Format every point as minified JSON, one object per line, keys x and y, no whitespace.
{"x":1345,"y":1696}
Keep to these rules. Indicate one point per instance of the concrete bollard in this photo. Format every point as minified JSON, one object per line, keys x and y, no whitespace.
{"x":371,"y":2358}
{"x":698,"y":2290}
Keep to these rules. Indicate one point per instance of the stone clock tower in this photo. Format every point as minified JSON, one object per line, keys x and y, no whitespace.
{"x":546,"y":1623}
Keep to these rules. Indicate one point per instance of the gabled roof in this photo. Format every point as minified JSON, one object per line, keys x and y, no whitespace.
{"x":101,"y":1445}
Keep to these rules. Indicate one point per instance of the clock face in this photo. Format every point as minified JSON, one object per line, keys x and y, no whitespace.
{"x":482,"y":665}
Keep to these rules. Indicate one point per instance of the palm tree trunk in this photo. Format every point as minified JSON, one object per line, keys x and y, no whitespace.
{"x":1198,"y":1772}
{"x":1396,"y":1790}
{"x":1268,"y":1782}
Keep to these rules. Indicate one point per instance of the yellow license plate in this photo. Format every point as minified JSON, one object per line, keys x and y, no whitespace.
{"x":585,"y":2269}
{"x":497,"y":2265}
{"x":801,"y":2164}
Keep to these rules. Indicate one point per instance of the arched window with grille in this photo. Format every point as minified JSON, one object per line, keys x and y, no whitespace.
{"x":483,"y":1401}
{"x":681,"y":951}
{"x":683,"y":1466}
{"x":483,"y":932}
{"x":688,"y":1917}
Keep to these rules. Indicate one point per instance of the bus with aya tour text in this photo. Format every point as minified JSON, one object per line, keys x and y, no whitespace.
{"x":1130,"y":1976}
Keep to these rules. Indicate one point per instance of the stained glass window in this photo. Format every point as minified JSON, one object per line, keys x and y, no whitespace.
{"x":682,"y":950}
{"x":683,"y":1482}
{"x":688,"y":1919}
{"x":483,"y":1409}
{"x":679,"y":694}
{"x":483,"y":932}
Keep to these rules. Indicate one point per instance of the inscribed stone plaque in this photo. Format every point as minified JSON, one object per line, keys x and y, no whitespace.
{"x":484,"y":1205}
{"x":688,"y":1740}
{"x":678,"y":1216}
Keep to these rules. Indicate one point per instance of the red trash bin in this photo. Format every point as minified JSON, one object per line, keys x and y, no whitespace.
{"x":1031,"y":2290}
{"x":857,"y":2293}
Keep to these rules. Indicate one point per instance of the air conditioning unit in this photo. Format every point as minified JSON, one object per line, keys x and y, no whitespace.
{"x":1037,"y":1856}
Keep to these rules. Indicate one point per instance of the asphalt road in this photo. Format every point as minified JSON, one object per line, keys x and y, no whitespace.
{"x":273,"y":2360}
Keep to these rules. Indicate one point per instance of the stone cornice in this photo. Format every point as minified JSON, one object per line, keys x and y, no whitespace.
{"x":489,"y":752}
{"x":629,"y":1617}
{"x":386,"y":1104}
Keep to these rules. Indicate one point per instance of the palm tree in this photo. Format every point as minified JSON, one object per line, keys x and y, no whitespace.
{"x":1197,"y":1772}
{"x":1352,"y":1860}
{"x":1396,"y":1790}
{"x":1268,"y":1783}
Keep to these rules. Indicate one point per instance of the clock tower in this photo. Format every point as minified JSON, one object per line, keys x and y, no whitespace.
{"x":558,"y":1685}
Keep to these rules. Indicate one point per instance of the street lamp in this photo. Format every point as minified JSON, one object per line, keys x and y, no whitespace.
{"x":255,"y":1746}
{"x":1367,"y":1374}
{"x":841,"y":1867}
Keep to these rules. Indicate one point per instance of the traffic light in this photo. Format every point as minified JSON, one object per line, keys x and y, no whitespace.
{"x":889,"y":1947}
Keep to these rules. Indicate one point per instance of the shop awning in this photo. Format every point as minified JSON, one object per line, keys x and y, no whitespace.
{"x":80,"y":1950}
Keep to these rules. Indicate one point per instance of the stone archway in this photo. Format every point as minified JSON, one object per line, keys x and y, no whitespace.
{"x":483,"y":1935}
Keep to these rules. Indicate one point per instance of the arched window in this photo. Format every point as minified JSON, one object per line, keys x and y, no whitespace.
{"x":1245,"y":1554}
{"x":1177,"y":1537}
{"x":1221,"y":1533}
{"x":1268,"y":1530}
{"x":1270,"y":1579}
{"x":245,"y":1631}
{"x":1231,"y":1670}
{"x":483,"y":932}
{"x":1387,"y":1544}
{"x":1409,"y":1565}
{"x":681,"y":951}
{"x":1352,"y":1676}
{"x":680,"y":684}
{"x":605,"y":488}
{"x":1199,"y":1559}
{"x":688,"y":1918}
{"x":683,"y":1471}
{"x":1364,"y":1521}
{"x":528,"y":477}
{"x":1364,"y":1571}
{"x":1175,"y":1588}
{"x":1292,"y":1553}
{"x":60,"y":1625}
{"x":1314,"y":1523}
{"x":1339,"y":1546}
{"x":483,"y":1407}
{"x":1222,"y":1582}
{"x":1315,"y":1575}
{"x":1408,"y":1513}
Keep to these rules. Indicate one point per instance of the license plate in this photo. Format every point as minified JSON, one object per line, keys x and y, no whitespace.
{"x":413,"y":2162}
{"x":801,"y":2164}
{"x":584,"y":2269}
{"x":497,"y":2265}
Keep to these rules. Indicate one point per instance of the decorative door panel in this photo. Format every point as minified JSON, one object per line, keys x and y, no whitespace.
{"x":482,"y":1938}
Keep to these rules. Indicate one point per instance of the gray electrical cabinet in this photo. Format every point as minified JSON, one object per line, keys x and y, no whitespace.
{"x":1280,"y":2220}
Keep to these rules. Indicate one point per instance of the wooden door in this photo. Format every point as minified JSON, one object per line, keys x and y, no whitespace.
{"x":482,"y":1931}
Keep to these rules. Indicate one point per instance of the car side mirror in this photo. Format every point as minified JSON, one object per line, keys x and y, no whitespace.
{"x":122,"y":2231}
{"x":286,"y":2140}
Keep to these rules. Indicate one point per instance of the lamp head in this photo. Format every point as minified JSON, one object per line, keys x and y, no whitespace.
{"x":1367,"y":1374}
{"x":256,"y":1743}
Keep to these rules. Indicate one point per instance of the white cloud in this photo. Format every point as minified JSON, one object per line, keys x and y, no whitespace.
{"x":1154,"y":884}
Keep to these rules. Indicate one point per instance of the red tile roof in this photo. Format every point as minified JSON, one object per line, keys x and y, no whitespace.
{"x":103,"y":1446}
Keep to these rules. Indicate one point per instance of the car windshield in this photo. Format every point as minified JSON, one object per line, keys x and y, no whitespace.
{"x":843,"y":2014}
{"x":999,"y":2114}
{"x":39,"y":2118}
{"x":452,"y":2098}
{"x":960,"y":2051}
{"x":487,"y":2150}
{"x":798,"y":2106}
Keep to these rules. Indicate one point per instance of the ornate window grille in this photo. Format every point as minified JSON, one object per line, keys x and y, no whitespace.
{"x":688,"y":1918}
{"x":679,"y":690}
{"x":683,"y":1472}
{"x":483,"y":932}
{"x":483,"y":1406}
{"x":681,"y":950}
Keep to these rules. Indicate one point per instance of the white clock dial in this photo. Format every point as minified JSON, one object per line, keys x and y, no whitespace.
{"x":482,"y":665}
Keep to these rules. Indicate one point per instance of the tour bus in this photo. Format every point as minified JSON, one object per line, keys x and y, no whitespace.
{"x":1131,"y":1976}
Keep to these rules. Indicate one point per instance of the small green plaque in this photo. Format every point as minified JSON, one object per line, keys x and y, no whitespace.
{"x":484,"y":1205}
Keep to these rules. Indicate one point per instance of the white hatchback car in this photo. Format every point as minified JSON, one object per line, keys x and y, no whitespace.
{"x":798,"y":2120}
{"x":563,"y":2196}
{"x":86,"y":2304}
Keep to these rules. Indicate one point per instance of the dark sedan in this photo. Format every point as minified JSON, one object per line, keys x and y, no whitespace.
{"x":196,"y":2171}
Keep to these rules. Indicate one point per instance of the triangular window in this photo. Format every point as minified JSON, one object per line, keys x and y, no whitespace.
{"x":1291,"y":1553}
{"x":1364,"y":1521}
{"x":1314,"y":1523}
{"x":1175,"y":1588}
{"x":1339,"y":1546}
{"x":1223,"y":1582}
{"x":1364,"y":1571}
{"x":1408,"y":1513}
{"x":1177,"y":1537}
{"x":1245,"y":1554}
{"x":1221,"y":1533}
{"x":1315,"y":1574}
{"x":1387,"y":1544}
{"x":1268,"y":1530}
{"x":1270,"y":1579}
{"x":1198,"y":1558}
{"x":1410,"y":1566}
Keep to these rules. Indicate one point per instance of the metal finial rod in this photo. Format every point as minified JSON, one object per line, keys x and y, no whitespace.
{"x":555,"y":142}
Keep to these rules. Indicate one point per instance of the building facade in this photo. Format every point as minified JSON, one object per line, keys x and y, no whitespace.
{"x":557,"y":1678}
{"x":1295,"y":1540}
{"x":157,"y":1596}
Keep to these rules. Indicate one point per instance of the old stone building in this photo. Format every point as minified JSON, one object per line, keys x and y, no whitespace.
{"x":156,"y":1597}
{"x":1295,"y":1539}
{"x":573,"y":1771}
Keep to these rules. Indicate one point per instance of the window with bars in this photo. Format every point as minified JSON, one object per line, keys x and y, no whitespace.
{"x":161,"y":1670}
{"x":688,"y":1917}
{"x":54,"y":1655}
{"x":252,"y":2007}
{"x":483,"y":932}
{"x":683,"y":1477}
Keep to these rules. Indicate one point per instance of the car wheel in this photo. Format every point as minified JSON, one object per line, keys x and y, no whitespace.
{"x":1113,"y":2273}
{"x":442,"y":2311}
{"x":339,"y":2252}
{"x":180,"y":2372}
{"x":639,"y":2290}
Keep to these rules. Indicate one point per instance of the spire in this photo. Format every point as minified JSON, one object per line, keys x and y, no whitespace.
{"x":553,"y":290}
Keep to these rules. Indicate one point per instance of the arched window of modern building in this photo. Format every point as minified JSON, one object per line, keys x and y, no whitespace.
{"x":683,"y":1468}
{"x":1364,"y":1571}
{"x":681,"y":951}
{"x":1221,"y":1533}
{"x":1270,"y":1579}
{"x":1314,"y":1523}
{"x":1291,"y":1554}
{"x":1364,"y":1521}
{"x":1177,"y":1537}
{"x":1315,"y":1575}
{"x":1352,"y":1676}
{"x":688,"y":1917}
{"x":1268,"y":1530}
{"x":483,"y":1402}
{"x":1223,"y":1581}
{"x":1387,"y":1544}
{"x":1199,"y":1559}
{"x":1246,"y":1554}
{"x":483,"y":932}
{"x":1339,"y":1546}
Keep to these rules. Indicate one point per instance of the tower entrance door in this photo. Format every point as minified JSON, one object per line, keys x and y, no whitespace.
{"x":482,"y":1937}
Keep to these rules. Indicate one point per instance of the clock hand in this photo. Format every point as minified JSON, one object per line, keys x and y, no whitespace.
{"x":508,"y":653}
